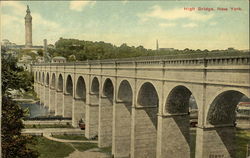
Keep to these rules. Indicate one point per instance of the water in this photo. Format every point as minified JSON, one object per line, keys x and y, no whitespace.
{"x":35,"y":110}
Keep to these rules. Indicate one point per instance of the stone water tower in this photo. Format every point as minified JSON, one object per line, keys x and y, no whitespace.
{"x":28,"y":29}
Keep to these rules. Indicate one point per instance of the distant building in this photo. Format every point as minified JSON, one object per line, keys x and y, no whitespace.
{"x":243,"y":108}
{"x":25,"y":62}
{"x":167,"y":49}
{"x":59,"y":59}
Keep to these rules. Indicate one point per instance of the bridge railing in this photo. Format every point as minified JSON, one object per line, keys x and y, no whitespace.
{"x":195,"y":59}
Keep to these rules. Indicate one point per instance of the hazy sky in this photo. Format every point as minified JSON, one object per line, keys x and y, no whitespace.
{"x":132,"y":22}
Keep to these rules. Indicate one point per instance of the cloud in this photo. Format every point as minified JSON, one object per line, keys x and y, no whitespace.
{"x":80,"y":5}
{"x":173,"y":14}
{"x":167,"y":24}
{"x":8,"y":20}
{"x":190,"y":25}
{"x":40,"y":22}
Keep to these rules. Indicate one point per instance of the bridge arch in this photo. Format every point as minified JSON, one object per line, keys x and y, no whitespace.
{"x":69,"y":85}
{"x":180,"y":104}
{"x":125,"y":92}
{"x":221,"y":115}
{"x":178,"y":100}
{"x":43,"y":78}
{"x":108,"y":89}
{"x":47,"y":79}
{"x":95,"y":86}
{"x":146,"y":130}
{"x":222,"y":109}
{"x":36,"y":76}
{"x":212,"y":98}
{"x":60,"y":83}
{"x":53,"y":81}
{"x":81,"y":89}
{"x":147,"y":95}
{"x":39,"y":77}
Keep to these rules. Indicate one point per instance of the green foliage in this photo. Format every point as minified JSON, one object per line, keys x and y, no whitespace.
{"x":84,"y":146}
{"x":14,"y":78}
{"x":88,"y":50}
{"x":13,"y":143}
{"x":49,"y":148}
{"x":70,"y":137}
{"x":242,"y":139}
{"x":40,"y":52}
{"x":49,"y":126}
{"x":52,"y":149}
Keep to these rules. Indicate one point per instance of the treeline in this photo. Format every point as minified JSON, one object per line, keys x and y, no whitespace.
{"x":80,"y":50}
{"x":14,"y":78}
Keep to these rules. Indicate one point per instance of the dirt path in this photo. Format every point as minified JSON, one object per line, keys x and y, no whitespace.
{"x":92,"y":153}
{"x":48,"y":136}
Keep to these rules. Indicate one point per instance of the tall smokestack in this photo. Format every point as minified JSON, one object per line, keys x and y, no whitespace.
{"x":157,"y":45}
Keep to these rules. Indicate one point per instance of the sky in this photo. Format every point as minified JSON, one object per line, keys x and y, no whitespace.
{"x":132,"y":22}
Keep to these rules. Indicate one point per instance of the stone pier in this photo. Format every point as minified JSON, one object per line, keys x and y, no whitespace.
{"x":42,"y":94}
{"x":46,"y":97}
{"x":215,"y":142}
{"x":144,"y":131}
{"x":92,"y":116}
{"x":173,"y":136}
{"x":37,"y":89}
{"x":105,"y":122}
{"x":59,"y":103}
{"x":121,"y":130}
{"x":67,"y":105}
{"x":78,"y":112}
{"x":52,"y":100}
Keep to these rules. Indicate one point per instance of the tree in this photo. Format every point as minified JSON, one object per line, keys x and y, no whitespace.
{"x":13,"y":143}
{"x":40,"y":52}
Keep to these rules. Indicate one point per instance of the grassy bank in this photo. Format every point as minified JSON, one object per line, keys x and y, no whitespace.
{"x":70,"y":137}
{"x":242,"y":139}
{"x":48,"y":148}
{"x":49,"y":126}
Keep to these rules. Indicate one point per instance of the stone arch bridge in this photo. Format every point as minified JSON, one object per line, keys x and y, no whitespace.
{"x":141,"y":107}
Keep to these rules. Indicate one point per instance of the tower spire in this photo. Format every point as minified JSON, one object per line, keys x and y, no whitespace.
{"x":28,"y":28}
{"x":28,"y":10}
